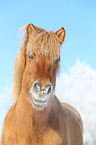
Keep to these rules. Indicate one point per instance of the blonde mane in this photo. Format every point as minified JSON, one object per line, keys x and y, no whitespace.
{"x":35,"y":41}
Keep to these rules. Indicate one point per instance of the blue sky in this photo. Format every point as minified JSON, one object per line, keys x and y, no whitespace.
{"x":77,"y":17}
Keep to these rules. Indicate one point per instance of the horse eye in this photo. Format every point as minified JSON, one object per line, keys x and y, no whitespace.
{"x":31,"y":56}
{"x":57,"y":60}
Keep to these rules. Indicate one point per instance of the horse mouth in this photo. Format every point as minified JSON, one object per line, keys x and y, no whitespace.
{"x":40,"y":101}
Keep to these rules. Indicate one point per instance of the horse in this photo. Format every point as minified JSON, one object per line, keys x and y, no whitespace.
{"x":36,"y":116}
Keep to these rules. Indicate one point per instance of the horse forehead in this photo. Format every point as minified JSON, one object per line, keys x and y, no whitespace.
{"x":43,"y":66}
{"x":44,"y":60}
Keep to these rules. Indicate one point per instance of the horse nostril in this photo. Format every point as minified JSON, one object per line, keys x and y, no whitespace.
{"x":48,"y":89}
{"x":36,"y":87}
{"x":41,"y":90}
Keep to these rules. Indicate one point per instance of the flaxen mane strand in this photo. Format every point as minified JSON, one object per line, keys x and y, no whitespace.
{"x":17,"y":74}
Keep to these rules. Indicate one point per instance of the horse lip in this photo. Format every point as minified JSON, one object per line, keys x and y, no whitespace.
{"x":39,"y":101}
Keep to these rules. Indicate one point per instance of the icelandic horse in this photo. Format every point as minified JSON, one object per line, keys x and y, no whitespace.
{"x":36,"y":116}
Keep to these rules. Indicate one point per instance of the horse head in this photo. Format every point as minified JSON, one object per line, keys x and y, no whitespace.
{"x":37,"y":64}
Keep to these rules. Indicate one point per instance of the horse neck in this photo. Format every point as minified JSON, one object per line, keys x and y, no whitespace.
{"x":25,"y":108}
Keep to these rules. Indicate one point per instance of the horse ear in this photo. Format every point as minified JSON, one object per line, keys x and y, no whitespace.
{"x":61,"y":34}
{"x":29,"y":30}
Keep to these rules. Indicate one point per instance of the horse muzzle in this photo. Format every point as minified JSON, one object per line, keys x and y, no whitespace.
{"x":41,"y":93}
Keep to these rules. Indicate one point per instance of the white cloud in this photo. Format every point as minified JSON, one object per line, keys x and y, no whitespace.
{"x":78,"y":88}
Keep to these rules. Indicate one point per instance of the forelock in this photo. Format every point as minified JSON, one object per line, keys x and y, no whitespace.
{"x":44,"y":43}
